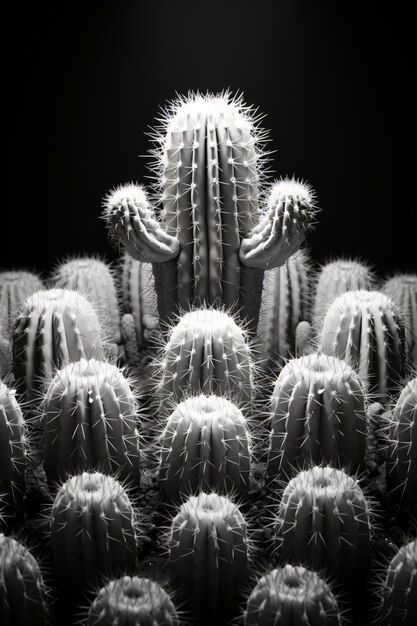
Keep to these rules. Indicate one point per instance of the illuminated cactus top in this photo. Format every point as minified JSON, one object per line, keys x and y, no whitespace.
{"x":210,"y":243}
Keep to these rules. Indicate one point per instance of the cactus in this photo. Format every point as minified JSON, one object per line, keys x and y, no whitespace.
{"x":89,"y":417}
{"x":15,"y":287}
{"x":207,"y":353}
{"x":285,"y":303}
{"x":22,"y":591}
{"x":205,"y":445}
{"x":210,"y":244}
{"x":92,"y":529}
{"x":132,"y":601}
{"x":399,"y":592}
{"x":324,"y":522}
{"x":366,"y":330}
{"x":402,"y":289}
{"x":304,"y":337}
{"x":338,"y":277}
{"x":55,"y":327}
{"x":12,"y":449}
{"x":318,"y":415}
{"x":208,"y":551}
{"x":292,"y":596}
{"x":402,"y":455}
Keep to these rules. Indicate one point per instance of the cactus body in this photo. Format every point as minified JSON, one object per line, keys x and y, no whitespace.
{"x":285,"y":303}
{"x":366,"y":330}
{"x":15,"y":287}
{"x":318,"y":416}
{"x":402,"y":455}
{"x":89,"y":417}
{"x":92,"y":529}
{"x":292,"y":596}
{"x":205,"y":445}
{"x":22,"y":593}
{"x":55,"y":327}
{"x":324,"y":522}
{"x":132,"y":601}
{"x":12,"y":449}
{"x":399,"y":593}
{"x":208,"y":549}
{"x":138,"y":298}
{"x":207,"y":353}
{"x":402,"y":289}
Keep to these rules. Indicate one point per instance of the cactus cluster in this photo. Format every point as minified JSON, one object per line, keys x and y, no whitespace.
{"x":12,"y":449}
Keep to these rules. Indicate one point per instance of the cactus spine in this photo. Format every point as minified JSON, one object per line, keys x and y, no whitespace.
{"x":132,"y":601}
{"x":89,"y":417}
{"x":399,"y":593}
{"x":324,"y":522}
{"x":205,"y":445}
{"x":402,"y":289}
{"x":12,"y":449}
{"x":366,"y":330}
{"x":208,"y":549}
{"x":292,"y":596}
{"x":318,"y":415}
{"x":15,"y":287}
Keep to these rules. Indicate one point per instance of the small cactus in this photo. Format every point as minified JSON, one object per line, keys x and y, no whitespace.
{"x":207,"y":353}
{"x":208,"y":551}
{"x":89,"y":418}
{"x":366,"y":330}
{"x":292,"y":596}
{"x":12,"y":449}
{"x":15,"y":287}
{"x":92,"y":529}
{"x":324,"y":523}
{"x":399,"y":592}
{"x":22,"y":591}
{"x":318,"y":416}
{"x":132,"y":601}
{"x":205,"y":445}
{"x":402,"y":289}
{"x":55,"y":327}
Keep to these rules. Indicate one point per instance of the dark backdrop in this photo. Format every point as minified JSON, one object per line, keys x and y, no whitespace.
{"x":83,"y":81}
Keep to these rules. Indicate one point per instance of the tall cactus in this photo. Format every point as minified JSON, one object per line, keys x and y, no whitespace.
{"x":366,"y":329}
{"x":12,"y":449}
{"x":55,"y":327}
{"x":208,"y":551}
{"x":292,"y":596}
{"x":399,"y":592}
{"x":205,"y":445}
{"x":318,"y":416}
{"x":89,"y":418}
{"x":324,"y":522}
{"x":210,"y":244}
{"x":402,"y":289}
{"x":15,"y":287}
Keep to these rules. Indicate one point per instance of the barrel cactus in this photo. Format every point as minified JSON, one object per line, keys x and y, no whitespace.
{"x":205,"y":445}
{"x":132,"y":601}
{"x":324,"y":523}
{"x":92,"y":530}
{"x":399,"y":591}
{"x":89,"y":417}
{"x":207,"y":352}
{"x":208,"y":552}
{"x":292,"y":596}
{"x":285,"y":303}
{"x":15,"y":287}
{"x":22,"y":590}
{"x":12,"y":449}
{"x":209,"y":243}
{"x":318,"y":416}
{"x":366,"y":329}
{"x":402,"y":289}
{"x":54,"y":327}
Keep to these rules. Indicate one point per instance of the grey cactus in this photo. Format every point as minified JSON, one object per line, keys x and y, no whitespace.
{"x":92,"y":530}
{"x":12,"y":450}
{"x":324,"y":523}
{"x":22,"y":590}
{"x":90,"y":422}
{"x":205,"y":445}
{"x":285,"y":303}
{"x":399,"y":592}
{"x":317,"y":416}
{"x":209,"y":244}
{"x":132,"y":601}
{"x":207,"y":352}
{"x":402,"y":289}
{"x":366,"y":329}
{"x":55,"y":327}
{"x":208,"y":552}
{"x":15,"y":287}
{"x":292,"y":596}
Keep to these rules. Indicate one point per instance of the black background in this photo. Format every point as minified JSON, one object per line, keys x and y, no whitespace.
{"x":84,"y":80}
